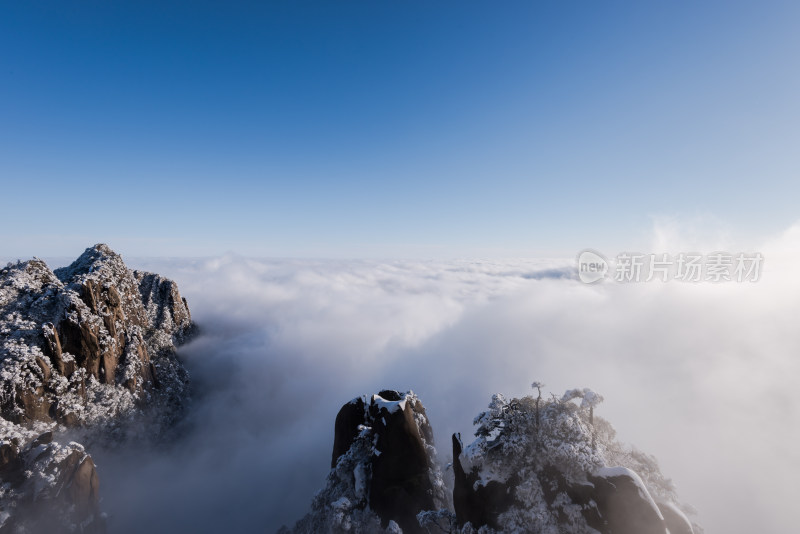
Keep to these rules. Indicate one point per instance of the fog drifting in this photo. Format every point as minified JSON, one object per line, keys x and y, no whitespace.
{"x":703,"y":376}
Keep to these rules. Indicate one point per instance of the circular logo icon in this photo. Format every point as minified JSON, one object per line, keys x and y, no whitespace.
{"x":592,"y":266}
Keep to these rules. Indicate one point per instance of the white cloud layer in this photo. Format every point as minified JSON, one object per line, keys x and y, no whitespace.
{"x":703,"y":376}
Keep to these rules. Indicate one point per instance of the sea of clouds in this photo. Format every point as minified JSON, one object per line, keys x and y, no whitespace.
{"x":704,"y":376}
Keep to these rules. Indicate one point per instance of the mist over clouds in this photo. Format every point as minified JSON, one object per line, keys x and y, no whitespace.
{"x":703,"y":376}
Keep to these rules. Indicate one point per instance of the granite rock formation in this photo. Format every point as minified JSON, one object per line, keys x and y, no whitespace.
{"x":551,"y":465}
{"x":84,"y":349}
{"x":384,"y":470}
{"x":47,"y":486}
{"x":539,"y":466}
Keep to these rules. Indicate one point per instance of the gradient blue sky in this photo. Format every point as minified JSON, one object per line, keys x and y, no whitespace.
{"x":380,"y":128}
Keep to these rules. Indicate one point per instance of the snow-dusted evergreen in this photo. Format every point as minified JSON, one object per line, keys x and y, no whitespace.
{"x":546,"y":454}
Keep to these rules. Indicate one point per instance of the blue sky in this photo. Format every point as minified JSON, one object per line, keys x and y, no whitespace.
{"x":392,"y":129}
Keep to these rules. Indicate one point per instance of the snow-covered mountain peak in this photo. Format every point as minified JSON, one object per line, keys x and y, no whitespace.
{"x":85,"y":350}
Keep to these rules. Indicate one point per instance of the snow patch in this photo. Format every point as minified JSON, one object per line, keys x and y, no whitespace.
{"x":390,"y":406}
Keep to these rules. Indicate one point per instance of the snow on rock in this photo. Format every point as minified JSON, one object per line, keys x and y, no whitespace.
{"x":675,"y":518}
{"x":61,"y":477}
{"x":388,"y":405}
{"x":90,"y":347}
{"x":88,"y":342}
{"x":624,"y":503}
{"x":384,"y":470}
{"x":618,"y":472}
{"x":551,"y":466}
{"x":540,"y":466}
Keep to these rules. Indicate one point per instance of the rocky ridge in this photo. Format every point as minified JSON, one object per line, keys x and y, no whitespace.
{"x":84,"y":350}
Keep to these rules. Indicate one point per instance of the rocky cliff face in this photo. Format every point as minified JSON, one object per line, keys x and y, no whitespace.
{"x":536,"y":466}
{"x":47,"y":486}
{"x":88,"y":347}
{"x":384,"y":470}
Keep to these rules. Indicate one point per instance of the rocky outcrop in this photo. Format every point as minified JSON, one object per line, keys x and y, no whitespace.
{"x":675,"y":519}
{"x":624,"y":505}
{"x":610,"y":500}
{"x":166,"y":312}
{"x":384,"y":470}
{"x":536,"y":466}
{"x":90,"y":324}
{"x":475,"y":503}
{"x":88,"y":348}
{"x":548,"y":466}
{"x":400,"y":486}
{"x":47,"y":486}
